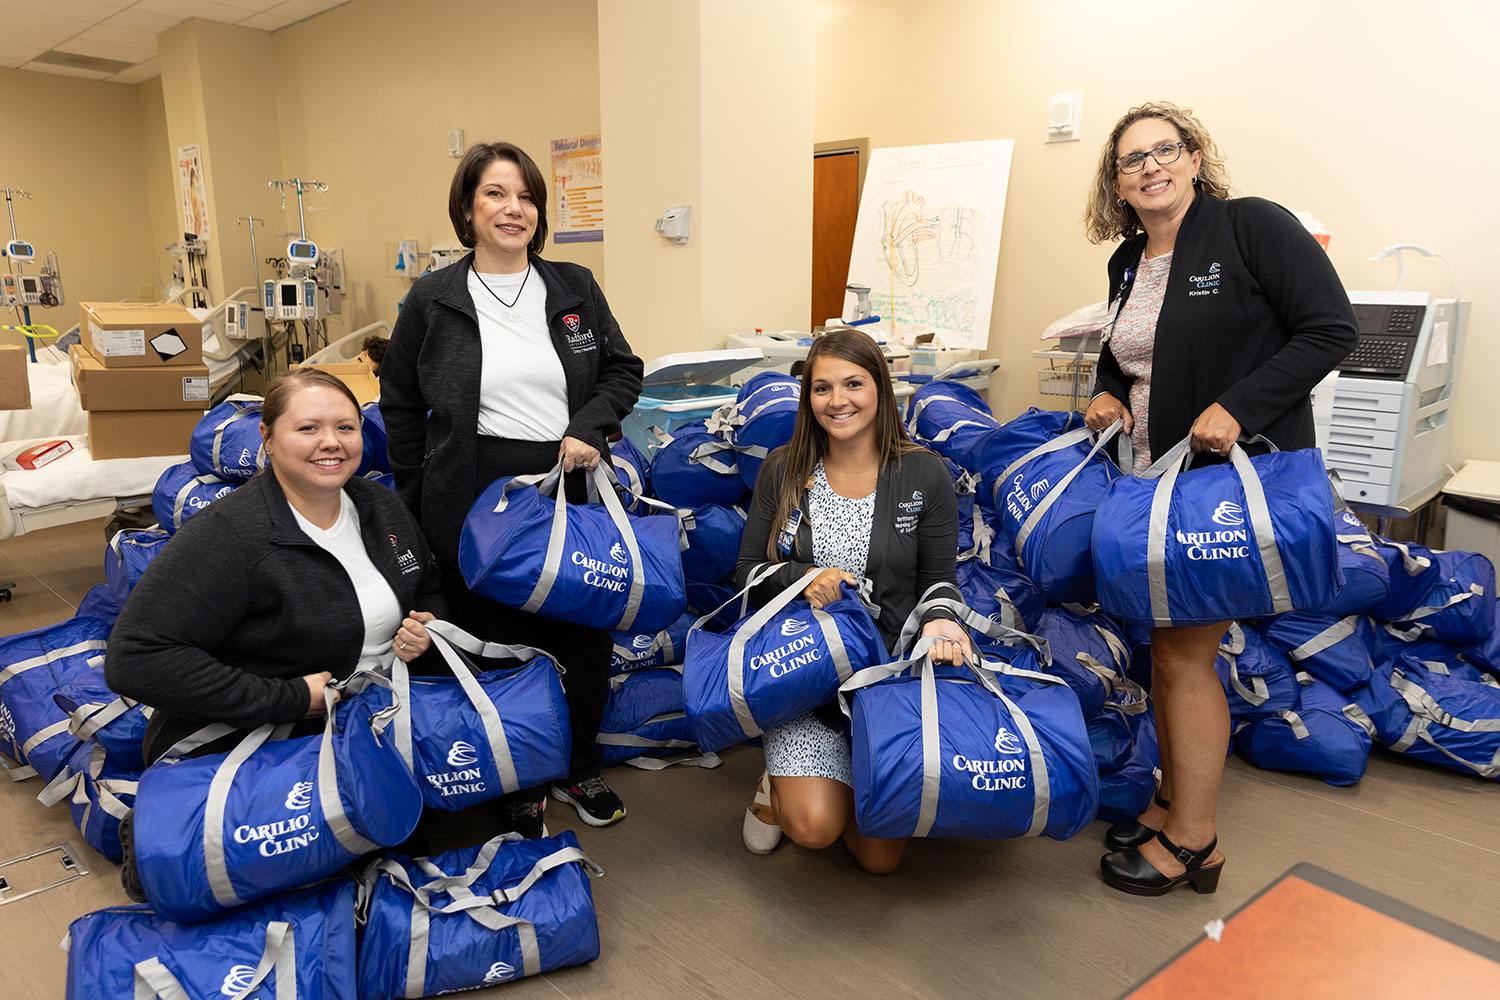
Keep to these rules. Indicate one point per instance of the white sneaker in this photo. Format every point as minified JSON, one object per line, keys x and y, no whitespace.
{"x":760,"y":832}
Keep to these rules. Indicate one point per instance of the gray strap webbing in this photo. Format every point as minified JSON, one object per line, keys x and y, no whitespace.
{"x":703,"y":455}
{"x":179,"y":502}
{"x":735,"y":666}
{"x":1116,"y":683}
{"x":1156,"y":538}
{"x":1256,"y":694}
{"x":328,"y":783}
{"x":1117,"y":647}
{"x":1299,"y":728}
{"x":86,"y":720}
{"x":1233,"y":642}
{"x":1414,"y":565}
{"x":1415,"y":617}
{"x":1426,"y":712}
{"x":153,"y":981}
{"x":552,"y":561}
{"x":42,"y":736}
{"x":983,"y":534}
{"x":943,"y":435}
{"x":1265,"y":532}
{"x":214,"y":862}
{"x":1056,"y":491}
{"x":707,"y":760}
{"x":1357,"y":715}
{"x":932,"y":752}
{"x":1330,"y":636}
{"x":52,"y":656}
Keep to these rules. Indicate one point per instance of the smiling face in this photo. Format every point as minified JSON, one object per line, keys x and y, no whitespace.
{"x":315,"y":444}
{"x":844,"y":400}
{"x":1157,"y":192}
{"x":503,"y":216}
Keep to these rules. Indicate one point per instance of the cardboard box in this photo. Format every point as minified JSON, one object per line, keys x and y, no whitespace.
{"x":139,"y":433}
{"x":356,"y":375}
{"x":15,"y":386}
{"x":141,"y":334}
{"x":169,"y":387}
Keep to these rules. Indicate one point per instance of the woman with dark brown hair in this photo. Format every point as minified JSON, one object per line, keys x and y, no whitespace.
{"x":849,"y":498}
{"x":503,"y":364}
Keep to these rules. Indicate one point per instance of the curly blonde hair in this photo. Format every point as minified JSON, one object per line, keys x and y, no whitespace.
{"x":1105,"y":216}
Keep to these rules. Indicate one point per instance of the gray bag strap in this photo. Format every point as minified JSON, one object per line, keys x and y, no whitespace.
{"x":1418,"y":626}
{"x":87,"y":719}
{"x":947,"y":432}
{"x":968,"y":617}
{"x":1292,"y":719}
{"x":50,"y":657}
{"x":1326,"y":639}
{"x":1414,"y":565}
{"x":1357,"y":715}
{"x":1035,"y":517}
{"x":179,"y":502}
{"x":1427,"y":712}
{"x":154,"y":981}
{"x":241,"y":409}
{"x":1116,"y":683}
{"x":42,"y":736}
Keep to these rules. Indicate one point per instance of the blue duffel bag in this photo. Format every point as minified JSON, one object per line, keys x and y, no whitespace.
{"x":221,"y":830}
{"x":1123,"y":737}
{"x":182,"y":491}
{"x":1367,"y":578}
{"x":1046,"y":498}
{"x":993,"y":453}
{"x":1458,"y":603}
{"x":645,"y":718}
{"x":524,"y":546}
{"x":944,"y":752}
{"x":760,"y":420}
{"x":994,"y":586}
{"x":691,"y":467}
{"x":633,"y":470}
{"x":99,"y":791}
{"x":643,"y":650}
{"x":472,"y":738}
{"x":227,"y":443}
{"x":713,"y":542}
{"x":33,"y":666}
{"x":476,"y":917}
{"x":1326,"y":735}
{"x":97,"y":713}
{"x":771,"y":666}
{"x":299,"y":945}
{"x":1429,"y":714}
{"x":376,"y":456}
{"x":1337,"y":651}
{"x":1411,"y":571}
{"x":1258,"y":680}
{"x":1091,"y":655}
{"x":99,"y":603}
{"x":951,"y":419}
{"x":1246,"y":539}
{"x":127,"y":556}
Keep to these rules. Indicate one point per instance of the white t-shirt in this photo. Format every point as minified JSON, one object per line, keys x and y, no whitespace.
{"x":377,"y":601}
{"x":523,"y":393}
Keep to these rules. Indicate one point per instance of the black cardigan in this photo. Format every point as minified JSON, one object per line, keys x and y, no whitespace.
{"x":429,"y":386}
{"x":1254,"y":317}
{"x":913,"y":538}
{"x":240,"y":604}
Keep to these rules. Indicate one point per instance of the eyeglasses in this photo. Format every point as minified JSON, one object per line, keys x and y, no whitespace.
{"x":1167,"y":152}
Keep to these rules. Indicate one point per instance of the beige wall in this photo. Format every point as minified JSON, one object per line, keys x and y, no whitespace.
{"x":159,"y":173}
{"x":78,"y":147}
{"x":368,"y":91}
{"x":1373,"y":116}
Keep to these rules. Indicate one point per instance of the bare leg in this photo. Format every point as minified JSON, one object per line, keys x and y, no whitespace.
{"x":815,"y":812}
{"x":875,"y":855}
{"x":1155,"y":816}
{"x":1190,"y":705}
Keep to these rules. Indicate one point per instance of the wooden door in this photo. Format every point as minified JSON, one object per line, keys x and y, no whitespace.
{"x":835,"y":207}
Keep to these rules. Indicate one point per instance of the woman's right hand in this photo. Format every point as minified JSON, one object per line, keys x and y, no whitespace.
{"x":1104,"y":410}
{"x":824,"y":588}
{"x":315,"y":685}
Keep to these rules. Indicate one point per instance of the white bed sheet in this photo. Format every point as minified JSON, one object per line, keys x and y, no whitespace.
{"x":55,"y":411}
{"x":76,"y":476}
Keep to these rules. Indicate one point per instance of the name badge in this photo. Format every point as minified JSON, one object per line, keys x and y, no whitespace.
{"x":788,"y":536}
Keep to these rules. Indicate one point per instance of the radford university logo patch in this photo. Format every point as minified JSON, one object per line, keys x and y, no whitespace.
{"x":571,"y":322}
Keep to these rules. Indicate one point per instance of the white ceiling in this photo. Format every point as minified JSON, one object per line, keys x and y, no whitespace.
{"x":125,"y":30}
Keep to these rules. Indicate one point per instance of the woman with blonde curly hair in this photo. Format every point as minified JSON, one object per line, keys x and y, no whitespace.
{"x":1226,"y":314}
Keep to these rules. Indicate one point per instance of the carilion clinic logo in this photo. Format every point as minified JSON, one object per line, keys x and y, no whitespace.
{"x":793,"y":626}
{"x":300,"y":797}
{"x":238,"y":980}
{"x":1229,"y":514}
{"x":461,"y":754}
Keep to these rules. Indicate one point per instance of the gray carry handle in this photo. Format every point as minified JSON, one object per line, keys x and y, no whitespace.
{"x":1034,"y":518}
{"x":943,"y":435}
{"x":154,"y":981}
{"x":968,"y":617}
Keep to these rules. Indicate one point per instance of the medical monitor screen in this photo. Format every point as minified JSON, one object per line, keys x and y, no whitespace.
{"x":289,"y":295}
{"x":30,"y":285}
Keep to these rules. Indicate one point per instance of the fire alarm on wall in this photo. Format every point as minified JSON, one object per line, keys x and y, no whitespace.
{"x":1064,"y":117}
{"x":455,"y":142}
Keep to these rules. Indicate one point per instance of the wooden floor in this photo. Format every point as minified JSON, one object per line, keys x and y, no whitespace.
{"x":685,"y":911}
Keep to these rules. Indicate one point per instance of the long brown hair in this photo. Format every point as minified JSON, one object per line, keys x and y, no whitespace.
{"x":810,"y":441}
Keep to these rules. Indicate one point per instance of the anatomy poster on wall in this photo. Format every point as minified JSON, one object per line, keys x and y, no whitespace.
{"x":578,"y":190}
{"x":928,"y":238}
{"x":194,"y":201}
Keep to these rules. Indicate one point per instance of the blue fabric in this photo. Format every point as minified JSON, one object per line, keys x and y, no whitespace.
{"x":1334,"y":748}
{"x":461,"y":953}
{"x":1070,"y":636}
{"x":376,"y":458}
{"x":998,"y":590}
{"x":501,"y":556}
{"x":121,"y":738}
{"x":707,"y":598}
{"x":713,"y":542}
{"x":988,"y":786}
{"x":1401,"y":721}
{"x":99,"y":603}
{"x":767,"y":404}
{"x":683,"y":481}
{"x":241,"y":452}
{"x":454,"y":766}
{"x":956,"y":411}
{"x":1454,"y":575}
{"x":788,"y":668}
{"x":633,"y":469}
{"x":102,"y":784}
{"x":994,"y":452}
{"x":1055,"y":554}
{"x":275,"y":833}
{"x":1367,"y":578}
{"x":42,"y":661}
{"x":1213,"y":569}
{"x":1486,"y":653}
{"x":386,"y":479}
{"x":1408,"y":580}
{"x":1269,"y":682}
{"x":127,"y":556}
{"x":642,"y":650}
{"x":172,"y":482}
{"x":1346,"y":664}
{"x":216,"y":958}
{"x":1126,"y":754}
{"x":649,"y":704}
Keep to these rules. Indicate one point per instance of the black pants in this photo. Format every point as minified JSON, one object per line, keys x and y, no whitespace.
{"x":582,"y":652}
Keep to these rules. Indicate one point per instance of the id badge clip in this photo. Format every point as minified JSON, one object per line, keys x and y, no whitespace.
{"x":788,"y":536}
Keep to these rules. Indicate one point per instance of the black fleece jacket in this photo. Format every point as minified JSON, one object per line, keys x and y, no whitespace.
{"x":240,"y":604}
{"x":429,"y":386}
{"x":913,"y":538}
{"x":1254,"y":317}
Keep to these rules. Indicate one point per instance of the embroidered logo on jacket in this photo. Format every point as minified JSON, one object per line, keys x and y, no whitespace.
{"x":571,"y":322}
{"x":1205,"y":284}
{"x":407,"y":562}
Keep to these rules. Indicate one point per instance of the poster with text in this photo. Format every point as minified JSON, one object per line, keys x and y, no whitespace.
{"x":577,"y":190}
{"x":194,"y":200}
{"x":927,"y":239}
